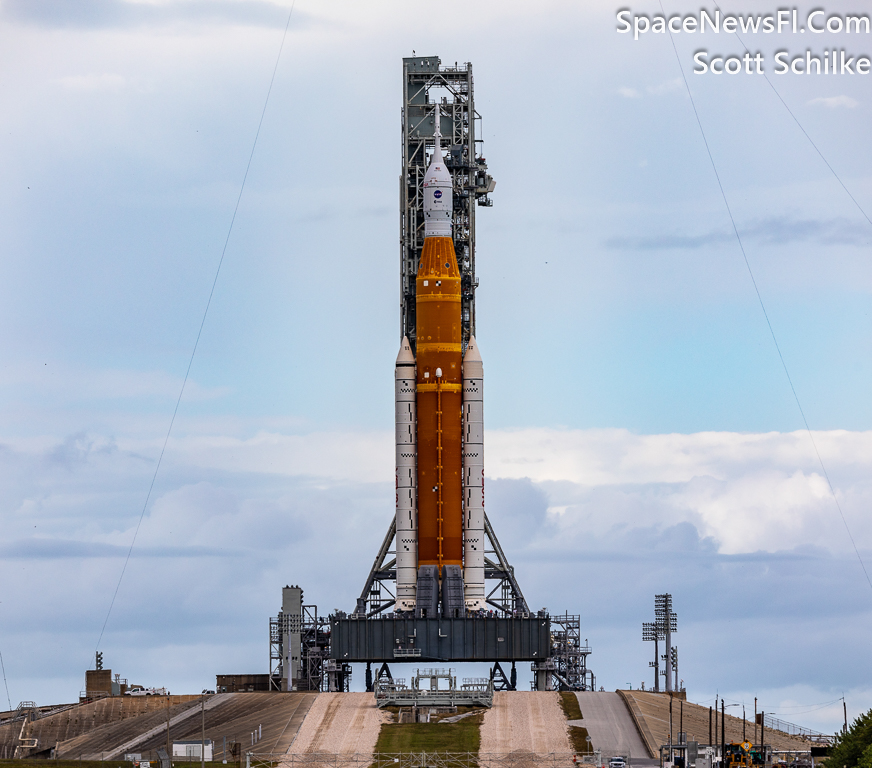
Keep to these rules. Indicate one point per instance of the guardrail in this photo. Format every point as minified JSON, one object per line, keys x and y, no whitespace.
{"x":773,"y":723}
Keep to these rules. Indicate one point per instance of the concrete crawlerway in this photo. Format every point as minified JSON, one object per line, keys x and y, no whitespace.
{"x":525,"y":721}
{"x":340,"y":723}
{"x":629,"y":723}
{"x":610,"y":725}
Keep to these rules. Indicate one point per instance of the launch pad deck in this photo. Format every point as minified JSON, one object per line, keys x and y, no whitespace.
{"x":477,"y":638}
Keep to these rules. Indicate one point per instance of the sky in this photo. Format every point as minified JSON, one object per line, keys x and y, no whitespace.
{"x":642,"y":434}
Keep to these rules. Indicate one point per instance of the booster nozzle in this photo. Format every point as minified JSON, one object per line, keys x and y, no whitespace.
{"x":438,"y":200}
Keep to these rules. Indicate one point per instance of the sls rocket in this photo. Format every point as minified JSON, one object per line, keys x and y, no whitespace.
{"x":439,"y":435}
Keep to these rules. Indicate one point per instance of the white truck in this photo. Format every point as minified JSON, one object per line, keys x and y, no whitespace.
{"x":138,"y":690}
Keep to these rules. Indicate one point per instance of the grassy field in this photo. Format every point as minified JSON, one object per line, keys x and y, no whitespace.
{"x":462,"y":736}
{"x":569,"y":704}
{"x":577,"y":734}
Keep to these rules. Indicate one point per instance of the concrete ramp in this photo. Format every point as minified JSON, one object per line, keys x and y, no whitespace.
{"x":525,"y":722}
{"x":79,"y":720}
{"x":653,"y":710}
{"x":225,"y":717}
{"x":610,"y":725}
{"x":339,"y":723}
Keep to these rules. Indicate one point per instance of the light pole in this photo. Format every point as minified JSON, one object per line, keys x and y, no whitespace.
{"x":723,"y":721}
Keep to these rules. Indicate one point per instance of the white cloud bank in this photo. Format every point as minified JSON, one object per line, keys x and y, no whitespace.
{"x":748,"y":492}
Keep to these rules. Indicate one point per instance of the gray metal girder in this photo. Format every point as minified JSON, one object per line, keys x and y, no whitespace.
{"x":479,"y":638}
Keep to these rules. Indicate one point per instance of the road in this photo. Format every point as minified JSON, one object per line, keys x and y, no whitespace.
{"x":610,"y":725}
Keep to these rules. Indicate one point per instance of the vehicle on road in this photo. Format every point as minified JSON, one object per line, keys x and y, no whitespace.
{"x":138,"y":690}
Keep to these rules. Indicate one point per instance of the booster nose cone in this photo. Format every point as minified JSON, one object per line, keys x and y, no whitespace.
{"x":438,"y":199}
{"x":472,"y":356}
{"x":405,"y":355}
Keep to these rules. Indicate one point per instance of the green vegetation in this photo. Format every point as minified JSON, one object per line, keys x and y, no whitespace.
{"x":462,"y":736}
{"x":854,"y":748}
{"x":577,"y":734}
{"x":578,"y":737}
{"x":569,"y":703}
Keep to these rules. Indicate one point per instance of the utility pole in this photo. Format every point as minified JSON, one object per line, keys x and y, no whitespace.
{"x":845,"y":711}
{"x":203,"y":732}
{"x":169,"y":753}
{"x":723,"y":733}
{"x":710,"y":727}
{"x":755,"y":720}
{"x":743,"y":723}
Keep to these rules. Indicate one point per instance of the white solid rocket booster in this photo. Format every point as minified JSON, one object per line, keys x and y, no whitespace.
{"x":473,"y":478}
{"x":407,"y":478}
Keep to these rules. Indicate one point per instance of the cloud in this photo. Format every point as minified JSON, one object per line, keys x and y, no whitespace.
{"x":834,"y":102}
{"x":66,"y":382}
{"x":344,"y":456}
{"x":655,"y":90}
{"x":666,"y":87}
{"x":104,"y":82}
{"x":128,"y":13}
{"x":741,"y":493}
{"x":66,"y":549}
{"x":775,"y":230}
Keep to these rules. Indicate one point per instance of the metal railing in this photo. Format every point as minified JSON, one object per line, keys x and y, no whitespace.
{"x":774,"y":724}
{"x":409,"y":697}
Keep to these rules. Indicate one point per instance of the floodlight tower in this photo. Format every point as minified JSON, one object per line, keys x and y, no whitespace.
{"x":650,"y":634}
{"x":667,"y":623}
{"x":664,"y":624}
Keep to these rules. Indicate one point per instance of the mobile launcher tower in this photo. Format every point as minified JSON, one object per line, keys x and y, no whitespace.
{"x":441,"y":588}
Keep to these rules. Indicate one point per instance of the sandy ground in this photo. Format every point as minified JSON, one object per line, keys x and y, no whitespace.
{"x":346,"y":723}
{"x":522,"y":721}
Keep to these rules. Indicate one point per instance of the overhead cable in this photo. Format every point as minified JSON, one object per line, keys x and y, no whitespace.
{"x":760,"y":297}
{"x":202,"y":323}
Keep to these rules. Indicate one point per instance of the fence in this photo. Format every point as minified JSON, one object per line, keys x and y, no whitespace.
{"x":416,"y":760}
{"x":774,"y":724}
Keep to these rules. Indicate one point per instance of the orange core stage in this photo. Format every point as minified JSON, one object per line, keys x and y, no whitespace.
{"x":439,"y":405}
